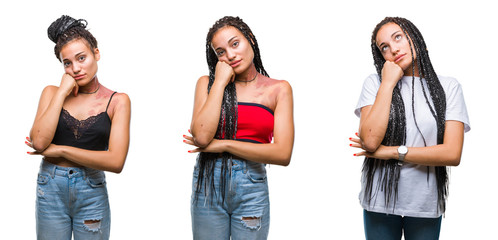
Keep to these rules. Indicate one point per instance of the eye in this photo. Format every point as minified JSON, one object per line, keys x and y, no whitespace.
{"x":235,"y":44}
{"x":81,"y":58}
{"x":66,"y":64}
{"x":397,"y":37}
{"x":220,"y":53}
{"x":384,"y":48}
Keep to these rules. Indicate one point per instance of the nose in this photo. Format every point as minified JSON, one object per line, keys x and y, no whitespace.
{"x":230,"y":55}
{"x":76,"y":68}
{"x":394,"y":49}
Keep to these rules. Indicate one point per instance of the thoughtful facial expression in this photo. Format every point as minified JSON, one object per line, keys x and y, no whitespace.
{"x":395,"y":46}
{"x":79,"y":61}
{"x":232,"y":47}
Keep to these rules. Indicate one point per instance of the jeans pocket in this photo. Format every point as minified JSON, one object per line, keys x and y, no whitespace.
{"x":96,"y":179}
{"x":256,"y":172}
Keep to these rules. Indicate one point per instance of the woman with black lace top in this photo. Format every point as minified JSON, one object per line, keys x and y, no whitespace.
{"x":81,"y":129}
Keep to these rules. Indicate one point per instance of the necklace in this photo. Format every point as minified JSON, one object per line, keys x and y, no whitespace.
{"x":246,"y":81}
{"x":91,"y":92}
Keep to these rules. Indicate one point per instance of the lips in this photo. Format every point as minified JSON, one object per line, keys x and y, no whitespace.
{"x":79,"y":77}
{"x":235,"y":64}
{"x":398,"y":58}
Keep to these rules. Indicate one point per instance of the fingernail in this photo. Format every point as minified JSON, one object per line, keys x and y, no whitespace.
{"x":350,"y":145}
{"x":29,"y":152}
{"x":189,"y":151}
{"x":27,"y":138}
{"x":184,"y":140}
{"x":189,"y":130}
{"x":354,"y":154}
{"x":26,"y":142}
{"x":350,"y":138}
{"x":183,"y":135}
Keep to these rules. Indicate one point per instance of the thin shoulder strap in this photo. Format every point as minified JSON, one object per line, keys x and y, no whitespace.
{"x":109,"y":101}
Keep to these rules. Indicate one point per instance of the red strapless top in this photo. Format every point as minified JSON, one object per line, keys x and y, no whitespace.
{"x":254,"y":123}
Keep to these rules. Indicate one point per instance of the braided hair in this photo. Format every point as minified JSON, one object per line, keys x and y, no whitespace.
{"x":227,"y":126}
{"x":389,"y":171}
{"x":66,"y":29}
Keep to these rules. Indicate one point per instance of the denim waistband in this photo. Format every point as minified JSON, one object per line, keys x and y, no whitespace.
{"x":69,"y":172}
{"x":237,"y":164}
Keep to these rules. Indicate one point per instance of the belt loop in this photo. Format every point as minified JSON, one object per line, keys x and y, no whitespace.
{"x":83,"y":171}
{"x":53,"y":168}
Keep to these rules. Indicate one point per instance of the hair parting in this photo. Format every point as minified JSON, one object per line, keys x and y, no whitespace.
{"x":389,"y":171}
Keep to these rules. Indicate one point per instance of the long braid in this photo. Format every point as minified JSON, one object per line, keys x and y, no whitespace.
{"x":395,"y":136}
{"x":227,"y":126}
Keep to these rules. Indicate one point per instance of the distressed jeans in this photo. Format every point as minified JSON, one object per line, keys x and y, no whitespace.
{"x":245,"y":213}
{"x":71,"y":201}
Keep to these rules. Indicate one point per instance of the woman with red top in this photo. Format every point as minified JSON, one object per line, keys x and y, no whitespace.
{"x":238,"y":110}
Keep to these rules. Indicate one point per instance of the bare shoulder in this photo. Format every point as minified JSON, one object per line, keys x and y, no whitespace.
{"x":282,"y":87}
{"x":203,"y":82}
{"x":122,"y":98}
{"x":49,"y":90}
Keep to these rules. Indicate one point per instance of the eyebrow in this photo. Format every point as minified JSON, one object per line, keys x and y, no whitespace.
{"x":76,"y":55}
{"x":229,"y":40}
{"x":383,"y":43}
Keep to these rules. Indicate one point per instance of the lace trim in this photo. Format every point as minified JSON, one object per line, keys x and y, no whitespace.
{"x":78,"y":127}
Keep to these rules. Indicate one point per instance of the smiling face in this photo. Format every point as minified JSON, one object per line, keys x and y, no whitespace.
{"x":394,"y":46}
{"x":80,"y":61}
{"x":231,"y":46}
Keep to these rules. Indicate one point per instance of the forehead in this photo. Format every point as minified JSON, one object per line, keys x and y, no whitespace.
{"x":74,"y":47}
{"x":224,"y":35}
{"x":386,"y":31}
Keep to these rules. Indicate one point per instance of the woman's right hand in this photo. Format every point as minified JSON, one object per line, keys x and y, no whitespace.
{"x":68,"y":85}
{"x":224,"y":73}
{"x":391,"y":73}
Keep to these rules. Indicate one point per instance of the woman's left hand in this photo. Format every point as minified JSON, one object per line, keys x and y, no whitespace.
{"x":50,"y":151}
{"x":215,"y":146}
{"x":383,"y":152}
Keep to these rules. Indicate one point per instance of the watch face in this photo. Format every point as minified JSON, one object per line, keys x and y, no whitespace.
{"x":402,"y":149}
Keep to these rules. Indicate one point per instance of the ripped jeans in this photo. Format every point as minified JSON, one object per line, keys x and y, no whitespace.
{"x":71,"y":201}
{"x":245,"y":213}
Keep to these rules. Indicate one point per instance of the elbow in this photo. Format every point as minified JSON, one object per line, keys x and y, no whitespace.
{"x":370,"y":146}
{"x":118,"y":167}
{"x":39,"y":146}
{"x":454,"y":161}
{"x":285,"y":160}
{"x":202,"y":141}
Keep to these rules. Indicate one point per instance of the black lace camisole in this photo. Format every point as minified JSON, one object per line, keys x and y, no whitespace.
{"x":91,"y":133}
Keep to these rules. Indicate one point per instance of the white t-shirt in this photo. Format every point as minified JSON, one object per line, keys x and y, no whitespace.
{"x":417,"y":195}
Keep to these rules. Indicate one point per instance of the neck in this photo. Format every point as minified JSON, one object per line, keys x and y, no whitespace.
{"x":408,"y":72}
{"x":247,"y":76}
{"x":92,"y":87}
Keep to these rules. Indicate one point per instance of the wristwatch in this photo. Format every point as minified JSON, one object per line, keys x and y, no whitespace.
{"x":402,"y":151}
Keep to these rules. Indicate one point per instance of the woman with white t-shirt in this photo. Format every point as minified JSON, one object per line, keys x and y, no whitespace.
{"x":412,"y":123}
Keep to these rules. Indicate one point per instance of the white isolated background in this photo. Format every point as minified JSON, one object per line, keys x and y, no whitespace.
{"x":155,"y":52}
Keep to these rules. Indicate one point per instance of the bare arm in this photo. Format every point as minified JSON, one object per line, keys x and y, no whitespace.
{"x":49,"y":109}
{"x":446,"y":154}
{"x":374,"y":118}
{"x":112,"y":160}
{"x":207,"y":107}
{"x":279,"y":152}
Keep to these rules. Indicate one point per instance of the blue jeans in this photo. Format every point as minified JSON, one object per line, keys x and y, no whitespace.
{"x":71,"y":201}
{"x":245,"y":213}
{"x":386,"y":227}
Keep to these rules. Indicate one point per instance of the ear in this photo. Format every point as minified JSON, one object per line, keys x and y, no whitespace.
{"x":96,"y":54}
